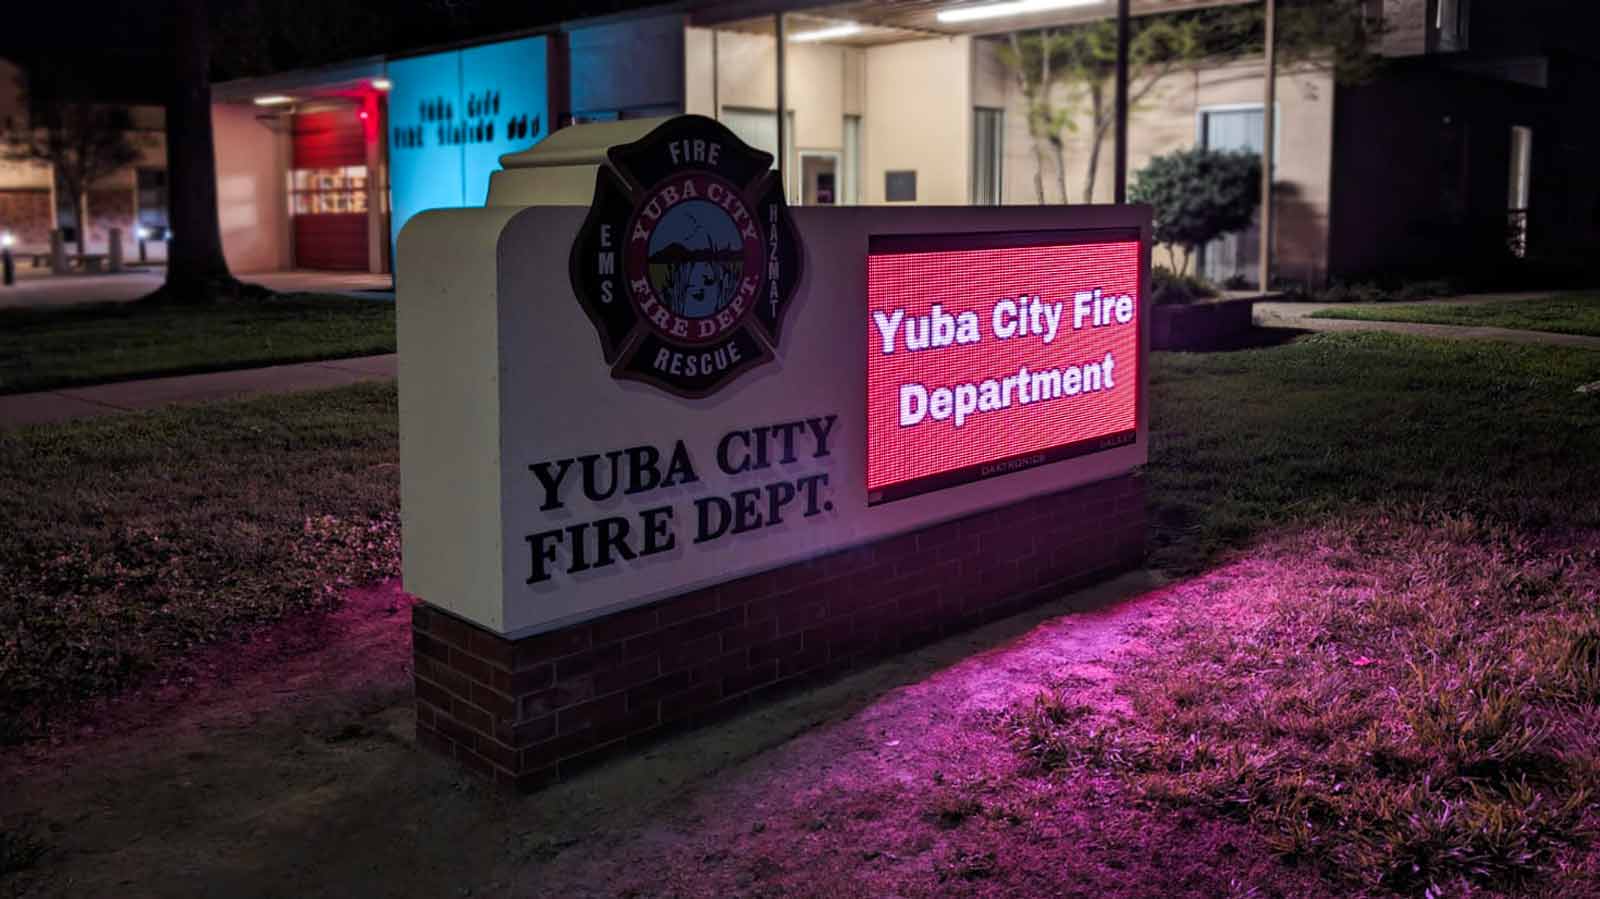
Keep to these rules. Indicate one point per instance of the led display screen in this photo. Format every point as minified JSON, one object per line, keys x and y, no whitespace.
{"x":453,"y":115}
{"x":993,"y":353}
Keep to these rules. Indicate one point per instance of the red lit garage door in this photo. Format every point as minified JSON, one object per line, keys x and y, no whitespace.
{"x":328,"y":190}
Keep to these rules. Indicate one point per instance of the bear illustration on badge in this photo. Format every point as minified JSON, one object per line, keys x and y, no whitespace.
{"x":688,"y":258}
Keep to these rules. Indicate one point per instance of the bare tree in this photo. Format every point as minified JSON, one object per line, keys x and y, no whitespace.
{"x":1079,"y":63}
{"x":83,"y":142}
{"x":1031,"y":60}
{"x":1159,"y":46}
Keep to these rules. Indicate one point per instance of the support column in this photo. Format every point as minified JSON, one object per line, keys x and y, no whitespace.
{"x":1120,"y":194}
{"x":783,"y":118}
{"x":1269,"y":133}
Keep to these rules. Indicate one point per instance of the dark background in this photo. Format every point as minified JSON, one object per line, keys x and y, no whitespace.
{"x":121,"y":51}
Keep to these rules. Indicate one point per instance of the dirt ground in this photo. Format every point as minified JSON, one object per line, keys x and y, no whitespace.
{"x":286,"y":767}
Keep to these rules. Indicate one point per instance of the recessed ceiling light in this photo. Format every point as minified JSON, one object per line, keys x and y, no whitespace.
{"x":1009,"y":8}
{"x":844,"y":29}
{"x":273,"y":100}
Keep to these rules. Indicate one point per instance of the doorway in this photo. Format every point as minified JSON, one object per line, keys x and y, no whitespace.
{"x":819,"y":178}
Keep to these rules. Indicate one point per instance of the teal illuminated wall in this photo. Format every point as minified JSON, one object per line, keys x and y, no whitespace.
{"x":453,"y":115}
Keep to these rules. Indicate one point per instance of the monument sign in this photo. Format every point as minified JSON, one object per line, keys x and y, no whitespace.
{"x":688,"y":444}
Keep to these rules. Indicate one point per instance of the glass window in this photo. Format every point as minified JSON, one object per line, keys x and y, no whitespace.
{"x":759,"y":129}
{"x":988,"y":134}
{"x":328,"y":191}
{"x":153,"y":199}
{"x":1233,"y":129}
{"x":1233,"y":258}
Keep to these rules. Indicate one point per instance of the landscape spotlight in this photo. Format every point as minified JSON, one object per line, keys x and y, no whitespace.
{"x":1010,"y":8}
{"x":845,"y":29}
{"x":273,"y":100}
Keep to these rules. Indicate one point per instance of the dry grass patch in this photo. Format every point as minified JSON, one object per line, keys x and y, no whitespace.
{"x":1415,"y":712}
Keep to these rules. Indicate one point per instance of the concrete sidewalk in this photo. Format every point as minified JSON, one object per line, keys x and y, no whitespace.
{"x":71,"y":403}
{"x":1299,"y":315}
{"x":40,"y":288}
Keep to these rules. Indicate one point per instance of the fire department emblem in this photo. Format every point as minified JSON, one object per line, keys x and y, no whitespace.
{"x":688,"y":258}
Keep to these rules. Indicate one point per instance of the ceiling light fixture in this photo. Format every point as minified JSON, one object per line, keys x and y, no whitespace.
{"x":844,"y":29}
{"x":273,"y":100}
{"x":1009,"y":8}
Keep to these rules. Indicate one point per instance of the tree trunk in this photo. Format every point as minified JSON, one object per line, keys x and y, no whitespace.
{"x":1060,"y":152}
{"x":1096,"y":103}
{"x":196,"y":269}
{"x":79,"y":211}
{"x":1038,"y":171}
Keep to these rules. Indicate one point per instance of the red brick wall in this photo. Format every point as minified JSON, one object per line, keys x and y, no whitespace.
{"x":26,"y":214}
{"x":112,"y":207}
{"x":527,"y":712}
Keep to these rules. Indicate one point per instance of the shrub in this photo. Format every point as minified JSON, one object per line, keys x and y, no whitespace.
{"x":1199,"y":195}
{"x":1166,"y":287}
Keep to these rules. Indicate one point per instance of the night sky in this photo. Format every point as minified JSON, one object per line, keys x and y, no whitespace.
{"x":118,"y":49}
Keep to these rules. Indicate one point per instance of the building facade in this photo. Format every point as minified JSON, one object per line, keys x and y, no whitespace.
{"x":132,"y":199}
{"x":321,"y":169}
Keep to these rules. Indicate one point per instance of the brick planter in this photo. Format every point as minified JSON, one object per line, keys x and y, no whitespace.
{"x":1199,"y":326}
{"x":529,"y":711}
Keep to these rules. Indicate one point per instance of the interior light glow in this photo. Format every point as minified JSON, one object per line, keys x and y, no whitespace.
{"x":7,"y":239}
{"x":1009,"y":8}
{"x":381,"y":84}
{"x":273,"y":100}
{"x":845,"y":29}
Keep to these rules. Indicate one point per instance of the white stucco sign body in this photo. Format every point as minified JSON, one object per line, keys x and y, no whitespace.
{"x":545,"y":482}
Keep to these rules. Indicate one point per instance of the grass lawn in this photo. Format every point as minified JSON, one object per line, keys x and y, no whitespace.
{"x":1389,"y":677}
{"x":126,"y":540}
{"x":1247,"y":441}
{"x":1577,"y":313}
{"x":43,"y":348}
{"x":1406,"y":698}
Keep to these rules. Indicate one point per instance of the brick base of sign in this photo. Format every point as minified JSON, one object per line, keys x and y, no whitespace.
{"x":531,"y":711}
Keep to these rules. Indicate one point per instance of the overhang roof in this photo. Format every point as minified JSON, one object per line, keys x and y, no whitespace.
{"x":892,"y":21}
{"x":338,"y":80}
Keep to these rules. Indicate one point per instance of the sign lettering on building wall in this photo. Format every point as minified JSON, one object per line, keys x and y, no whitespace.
{"x":452,"y":115}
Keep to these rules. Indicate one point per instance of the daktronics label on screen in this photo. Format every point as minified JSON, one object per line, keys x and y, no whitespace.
{"x":992,"y":353}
